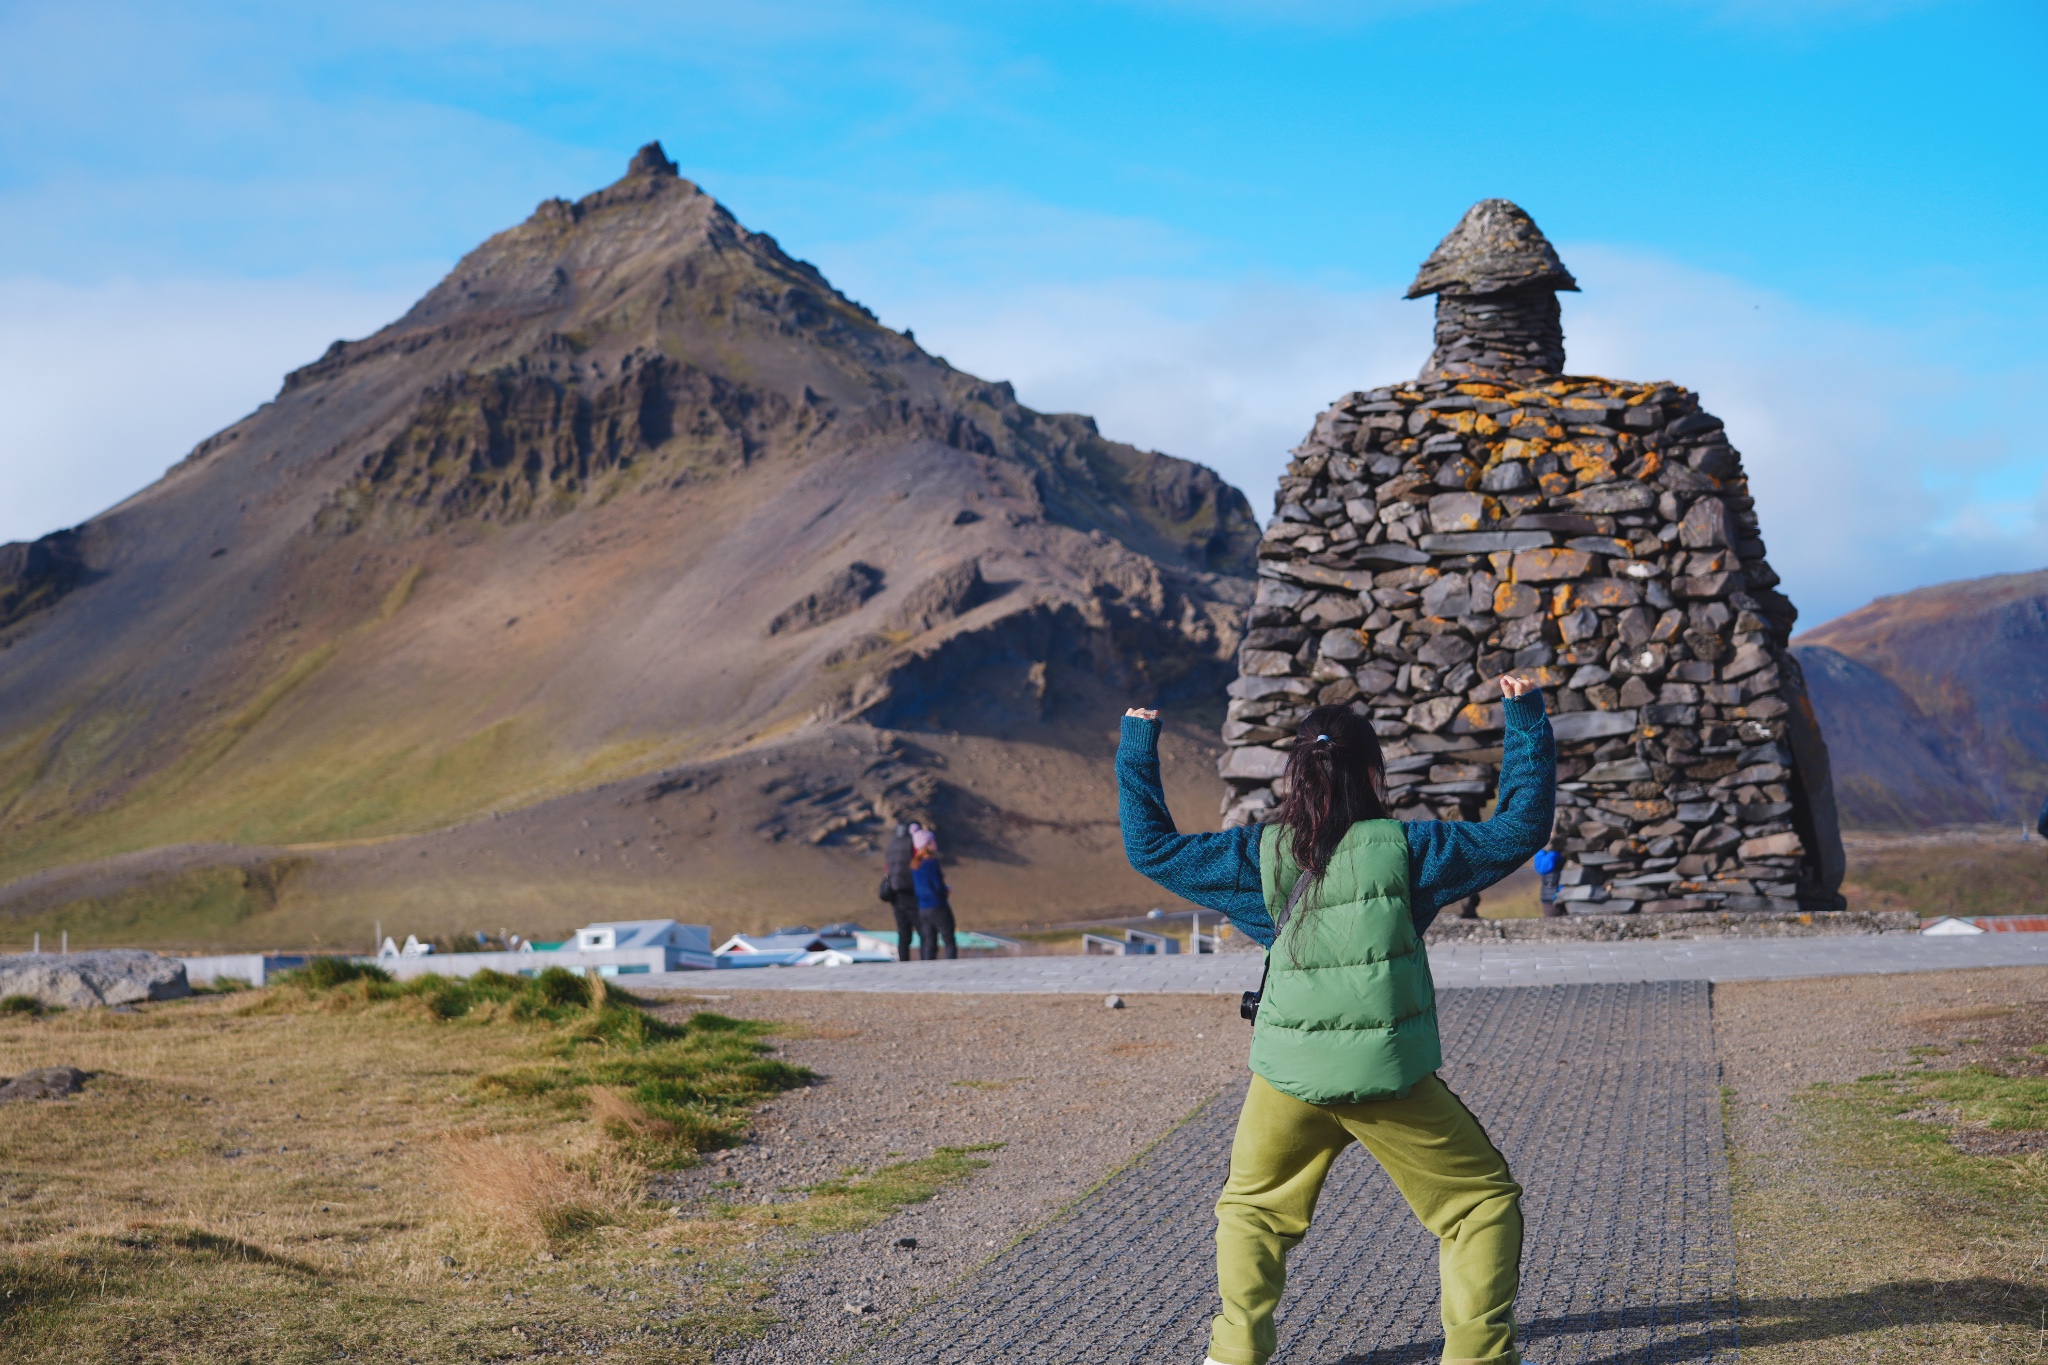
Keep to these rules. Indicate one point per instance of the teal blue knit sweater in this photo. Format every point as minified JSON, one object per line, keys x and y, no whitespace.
{"x":1447,"y":860}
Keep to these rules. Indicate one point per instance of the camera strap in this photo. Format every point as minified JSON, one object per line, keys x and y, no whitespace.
{"x":1286,"y":913}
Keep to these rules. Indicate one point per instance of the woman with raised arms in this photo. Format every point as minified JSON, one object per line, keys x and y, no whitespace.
{"x":1344,"y":1045}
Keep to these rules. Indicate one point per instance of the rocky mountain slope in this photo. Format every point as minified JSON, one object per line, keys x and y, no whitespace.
{"x":631,"y":508}
{"x":1932,"y":702}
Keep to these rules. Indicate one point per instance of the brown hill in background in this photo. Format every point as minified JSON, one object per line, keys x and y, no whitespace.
{"x":634,"y":570}
{"x":1933,"y":705}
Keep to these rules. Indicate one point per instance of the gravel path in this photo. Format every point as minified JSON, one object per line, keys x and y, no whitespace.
{"x":1603,"y":1098}
{"x":1629,"y":1255}
{"x":1072,"y":1089}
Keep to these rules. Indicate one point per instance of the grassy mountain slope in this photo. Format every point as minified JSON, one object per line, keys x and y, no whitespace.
{"x":1932,"y":703}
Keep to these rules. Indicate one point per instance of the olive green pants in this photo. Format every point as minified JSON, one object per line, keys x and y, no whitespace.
{"x":1439,"y":1158}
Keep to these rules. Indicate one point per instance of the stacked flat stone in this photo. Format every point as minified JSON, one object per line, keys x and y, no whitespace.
{"x":1597,"y":536}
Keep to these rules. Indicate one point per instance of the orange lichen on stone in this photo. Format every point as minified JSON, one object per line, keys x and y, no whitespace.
{"x":1515,"y":599}
{"x":1589,"y":465}
{"x":1539,"y":566}
{"x":1609,"y":592}
{"x":1478,"y":717}
{"x":1554,"y":484}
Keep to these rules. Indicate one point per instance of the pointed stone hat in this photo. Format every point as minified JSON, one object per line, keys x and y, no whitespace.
{"x":1495,"y":246}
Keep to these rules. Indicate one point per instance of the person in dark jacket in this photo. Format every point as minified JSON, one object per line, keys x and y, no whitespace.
{"x":901,"y":892}
{"x":2043,"y":825}
{"x":934,"y":901}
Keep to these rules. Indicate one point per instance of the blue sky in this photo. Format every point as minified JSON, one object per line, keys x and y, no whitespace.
{"x":1191,"y":219}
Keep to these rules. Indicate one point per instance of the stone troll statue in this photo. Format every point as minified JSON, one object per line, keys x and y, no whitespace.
{"x":1446,"y":553}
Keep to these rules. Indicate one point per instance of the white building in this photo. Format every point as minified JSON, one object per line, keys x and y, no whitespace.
{"x":683,"y":946}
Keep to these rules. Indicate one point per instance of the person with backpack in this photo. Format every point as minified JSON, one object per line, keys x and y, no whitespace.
{"x":1344,"y":1036}
{"x":898,"y":890}
{"x":934,"y":898}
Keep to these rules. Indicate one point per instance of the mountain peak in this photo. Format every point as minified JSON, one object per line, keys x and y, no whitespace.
{"x":651,"y":160}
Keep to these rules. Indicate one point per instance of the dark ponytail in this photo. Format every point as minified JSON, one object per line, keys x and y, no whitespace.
{"x":1335,"y":778}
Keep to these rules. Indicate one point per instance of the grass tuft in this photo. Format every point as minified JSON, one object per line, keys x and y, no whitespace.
{"x":665,"y":1092}
{"x":851,"y":1202}
{"x":512,"y":1193}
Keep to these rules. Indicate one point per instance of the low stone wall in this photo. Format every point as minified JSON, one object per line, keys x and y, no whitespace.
{"x":1727,"y":924}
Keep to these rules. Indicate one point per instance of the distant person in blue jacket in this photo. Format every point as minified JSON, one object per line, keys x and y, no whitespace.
{"x":934,"y":900}
{"x":1547,"y":863}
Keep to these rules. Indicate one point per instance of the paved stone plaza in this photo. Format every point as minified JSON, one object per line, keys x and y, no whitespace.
{"x":1603,"y":1097}
{"x":1454,"y":965}
{"x":1592,"y":1066}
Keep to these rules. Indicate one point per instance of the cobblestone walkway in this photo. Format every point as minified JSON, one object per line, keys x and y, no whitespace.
{"x":1605,"y":1099}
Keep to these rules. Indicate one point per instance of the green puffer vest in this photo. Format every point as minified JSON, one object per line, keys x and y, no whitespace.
{"x":1349,"y":1011}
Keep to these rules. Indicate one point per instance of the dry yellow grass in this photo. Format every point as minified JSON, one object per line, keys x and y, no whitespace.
{"x":510,"y":1192}
{"x":241,"y":1184}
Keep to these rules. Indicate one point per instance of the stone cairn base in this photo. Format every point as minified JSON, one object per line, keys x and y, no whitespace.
{"x":1596,"y":535}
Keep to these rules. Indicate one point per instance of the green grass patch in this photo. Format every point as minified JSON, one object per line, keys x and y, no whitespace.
{"x":1885,"y":1241}
{"x":859,"y":1201}
{"x":2005,"y":1103}
{"x":1862,"y":1120}
{"x":664,"y":1091}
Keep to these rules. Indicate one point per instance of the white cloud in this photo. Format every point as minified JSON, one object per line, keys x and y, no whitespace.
{"x":1877,"y":467}
{"x":1877,"y":464}
{"x":103,"y":387}
{"x":1231,"y":375}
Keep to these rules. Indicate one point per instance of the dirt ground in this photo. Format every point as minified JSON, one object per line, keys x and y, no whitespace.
{"x":1862,"y":1239}
{"x":1072,"y":1090}
{"x":1836,"y":1260}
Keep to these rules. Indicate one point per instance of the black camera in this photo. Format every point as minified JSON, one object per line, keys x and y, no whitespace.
{"x":1248,"y":1007}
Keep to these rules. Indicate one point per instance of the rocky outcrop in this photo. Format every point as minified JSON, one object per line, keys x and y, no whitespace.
{"x":842,"y":593}
{"x":34,"y":574}
{"x":44,"y":1083}
{"x":1594,"y":534}
{"x":82,"y":980}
